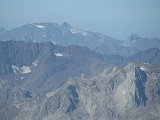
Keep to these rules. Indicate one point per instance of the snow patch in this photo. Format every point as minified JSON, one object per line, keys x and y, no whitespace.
{"x":35,"y":63}
{"x":143,"y":68}
{"x":82,"y":74}
{"x":25,"y":69}
{"x":22,"y":78}
{"x":58,"y":54}
{"x":15,"y":69}
{"x":22,"y":70}
{"x":39,"y":26}
{"x":53,"y":42}
{"x":78,"y":31}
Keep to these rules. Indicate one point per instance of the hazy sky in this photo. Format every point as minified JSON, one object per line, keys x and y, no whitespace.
{"x":116,"y":18}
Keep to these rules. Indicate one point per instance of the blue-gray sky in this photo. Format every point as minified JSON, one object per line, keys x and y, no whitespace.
{"x":116,"y":18}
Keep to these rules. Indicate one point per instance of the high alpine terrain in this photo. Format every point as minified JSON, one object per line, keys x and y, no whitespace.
{"x":66,"y":35}
{"x":57,"y":72}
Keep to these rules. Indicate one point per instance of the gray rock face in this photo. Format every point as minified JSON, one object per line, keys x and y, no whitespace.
{"x":73,"y":99}
{"x":141,"y":79}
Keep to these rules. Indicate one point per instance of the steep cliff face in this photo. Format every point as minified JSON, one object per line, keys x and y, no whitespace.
{"x":141,"y":79}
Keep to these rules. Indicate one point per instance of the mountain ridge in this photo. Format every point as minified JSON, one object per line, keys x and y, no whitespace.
{"x":71,"y":77}
{"x":66,"y":35}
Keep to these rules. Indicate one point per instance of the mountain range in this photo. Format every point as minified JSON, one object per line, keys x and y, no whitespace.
{"x":66,"y":35}
{"x":50,"y":71}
